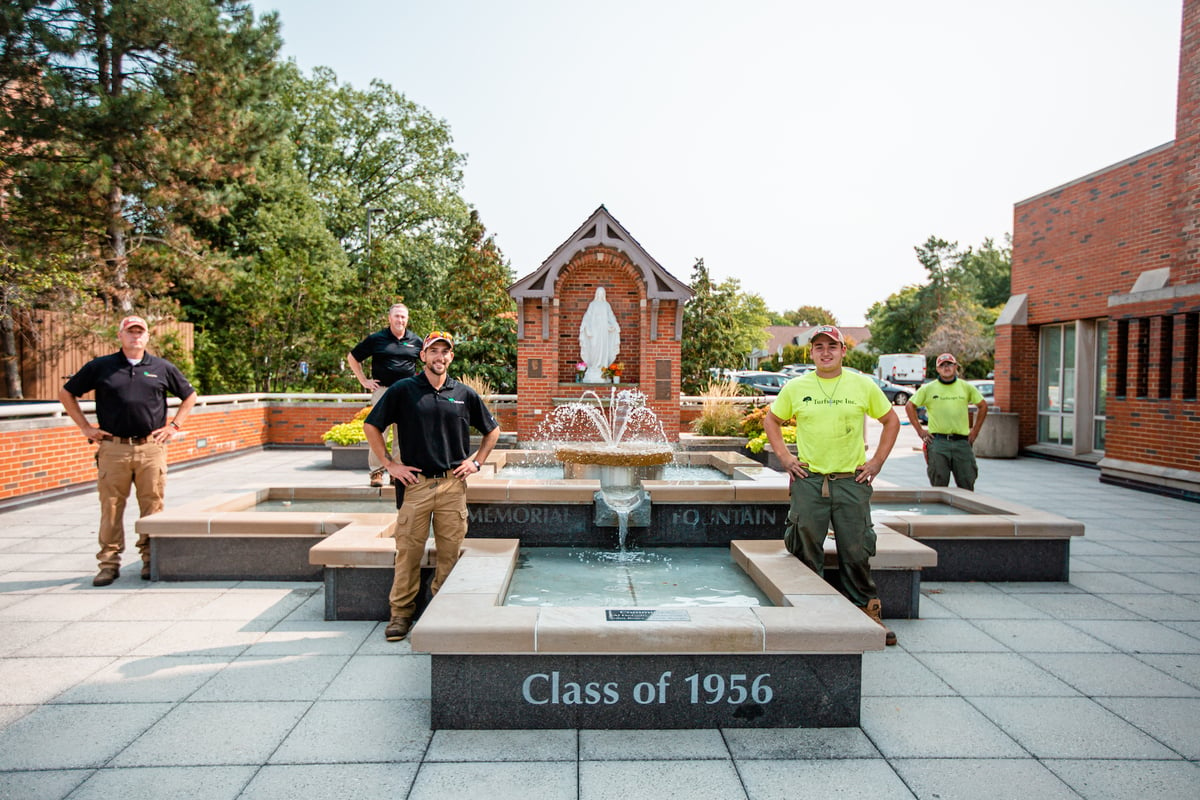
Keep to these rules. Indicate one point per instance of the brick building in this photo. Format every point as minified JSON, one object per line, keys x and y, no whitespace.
{"x":551,"y":301}
{"x":1097,"y":348}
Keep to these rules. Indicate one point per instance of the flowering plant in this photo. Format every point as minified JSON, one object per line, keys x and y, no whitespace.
{"x":613,"y":370}
{"x":580,"y":366}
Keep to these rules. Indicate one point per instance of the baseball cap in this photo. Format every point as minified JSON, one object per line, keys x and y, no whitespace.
{"x":129,"y":322}
{"x":944,"y":358}
{"x":438,"y":336}
{"x":827,"y":330}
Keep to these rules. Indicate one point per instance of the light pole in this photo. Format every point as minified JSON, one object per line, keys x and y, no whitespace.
{"x":370,"y":255}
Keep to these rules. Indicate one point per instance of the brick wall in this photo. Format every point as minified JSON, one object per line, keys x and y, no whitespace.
{"x":1075,"y":246}
{"x":44,"y":455}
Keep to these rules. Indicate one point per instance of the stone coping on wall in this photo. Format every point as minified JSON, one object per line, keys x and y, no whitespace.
{"x":467,"y":615}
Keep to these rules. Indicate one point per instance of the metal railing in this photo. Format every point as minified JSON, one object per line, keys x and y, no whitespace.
{"x":55,"y":410}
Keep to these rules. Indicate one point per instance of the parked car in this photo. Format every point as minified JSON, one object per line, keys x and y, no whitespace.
{"x":987,"y":388}
{"x":796,"y":370}
{"x":762,"y":382}
{"x":899,"y":395}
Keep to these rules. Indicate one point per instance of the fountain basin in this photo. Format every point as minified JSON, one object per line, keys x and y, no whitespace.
{"x":798,"y":663}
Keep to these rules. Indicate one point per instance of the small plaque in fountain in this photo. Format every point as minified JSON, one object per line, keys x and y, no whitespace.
{"x":646,"y":615}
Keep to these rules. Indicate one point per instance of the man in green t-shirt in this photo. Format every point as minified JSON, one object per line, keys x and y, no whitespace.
{"x":830,"y":473}
{"x":950,"y":432}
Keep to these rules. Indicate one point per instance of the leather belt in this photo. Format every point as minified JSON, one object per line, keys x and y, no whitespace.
{"x":132,"y":439}
{"x":443,"y":474}
{"x":954,"y":437}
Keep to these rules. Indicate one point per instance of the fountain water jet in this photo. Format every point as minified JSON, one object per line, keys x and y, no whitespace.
{"x":620,"y":449}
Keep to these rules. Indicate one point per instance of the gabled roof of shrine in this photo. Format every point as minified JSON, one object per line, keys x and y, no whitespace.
{"x":602,"y":229}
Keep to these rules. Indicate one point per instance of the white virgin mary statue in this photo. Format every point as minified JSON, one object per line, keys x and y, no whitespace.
{"x":599,"y":337}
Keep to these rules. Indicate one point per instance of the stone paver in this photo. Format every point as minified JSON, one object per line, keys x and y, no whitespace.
{"x":241,"y":690}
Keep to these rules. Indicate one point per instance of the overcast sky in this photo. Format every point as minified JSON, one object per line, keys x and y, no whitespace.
{"x":802,"y":147}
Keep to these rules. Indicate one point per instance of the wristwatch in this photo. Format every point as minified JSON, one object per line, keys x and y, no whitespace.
{"x":477,"y":467}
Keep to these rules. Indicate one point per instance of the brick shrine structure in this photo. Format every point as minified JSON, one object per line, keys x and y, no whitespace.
{"x":551,"y":301}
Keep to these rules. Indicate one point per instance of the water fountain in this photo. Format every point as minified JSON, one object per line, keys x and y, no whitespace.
{"x":620,"y":448}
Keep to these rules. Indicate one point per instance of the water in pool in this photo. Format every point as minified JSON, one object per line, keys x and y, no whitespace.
{"x":917,"y":509}
{"x":661,"y":577}
{"x":553,"y":472}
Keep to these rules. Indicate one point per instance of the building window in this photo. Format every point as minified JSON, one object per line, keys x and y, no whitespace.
{"x":1191,"y":354}
{"x":1056,"y":385}
{"x":1122,"y":386}
{"x":1099,"y":416}
{"x":1141,"y":382}
{"x":1166,"y":355}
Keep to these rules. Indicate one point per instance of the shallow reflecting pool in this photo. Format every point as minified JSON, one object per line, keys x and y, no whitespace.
{"x":661,"y":577}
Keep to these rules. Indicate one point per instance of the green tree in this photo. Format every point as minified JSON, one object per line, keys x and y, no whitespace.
{"x":278,"y":301}
{"x":721,"y":325}
{"x":954,"y":311}
{"x":900,"y":323}
{"x":810,"y":315}
{"x":986,"y":273}
{"x":478,"y":310}
{"x":129,"y":115}
{"x":375,"y":155}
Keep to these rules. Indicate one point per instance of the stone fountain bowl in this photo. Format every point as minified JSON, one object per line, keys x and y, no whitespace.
{"x":626,"y":464}
{"x":627,"y":454}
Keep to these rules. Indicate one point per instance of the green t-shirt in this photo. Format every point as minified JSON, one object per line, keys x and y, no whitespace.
{"x":947,"y":405}
{"x":829,"y":418}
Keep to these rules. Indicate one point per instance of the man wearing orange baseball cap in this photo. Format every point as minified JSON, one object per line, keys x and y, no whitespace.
{"x":131,"y":432}
{"x":950,"y":433}
{"x":434,"y":413}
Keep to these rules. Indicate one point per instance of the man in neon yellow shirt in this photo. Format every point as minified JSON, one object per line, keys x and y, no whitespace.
{"x":831,"y":477}
{"x":950,"y":434}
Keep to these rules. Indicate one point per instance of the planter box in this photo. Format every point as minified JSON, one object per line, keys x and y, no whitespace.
{"x":352,"y":456}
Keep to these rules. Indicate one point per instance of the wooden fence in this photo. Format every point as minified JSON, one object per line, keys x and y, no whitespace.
{"x":51,"y":347}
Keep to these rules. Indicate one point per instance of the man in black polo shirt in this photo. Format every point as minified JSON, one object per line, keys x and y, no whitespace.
{"x":394,"y":352}
{"x":132,"y":432}
{"x":434,"y":413}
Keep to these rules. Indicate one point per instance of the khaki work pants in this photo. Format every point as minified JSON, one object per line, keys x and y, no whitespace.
{"x":444,"y":502}
{"x":120,"y":467}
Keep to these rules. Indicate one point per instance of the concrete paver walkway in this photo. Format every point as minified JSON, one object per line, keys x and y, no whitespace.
{"x":241,"y":690}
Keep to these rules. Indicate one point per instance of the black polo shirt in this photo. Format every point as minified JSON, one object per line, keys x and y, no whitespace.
{"x":131,"y":399}
{"x":435,"y":424}
{"x":391,"y":359}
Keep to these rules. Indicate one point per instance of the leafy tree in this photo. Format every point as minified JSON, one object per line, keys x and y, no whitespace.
{"x":810,"y":315}
{"x":721,"y":325}
{"x":986,"y":273}
{"x":278,"y":301}
{"x":478,"y":310}
{"x":375,"y":153}
{"x":954,"y":311}
{"x":130,"y":115}
{"x":900,"y":323}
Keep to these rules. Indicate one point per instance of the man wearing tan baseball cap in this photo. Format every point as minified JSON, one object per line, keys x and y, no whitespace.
{"x":131,"y":433}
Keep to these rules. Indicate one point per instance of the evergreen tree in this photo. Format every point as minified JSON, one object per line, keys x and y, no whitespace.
{"x":125,"y":117}
{"x":478,"y":310}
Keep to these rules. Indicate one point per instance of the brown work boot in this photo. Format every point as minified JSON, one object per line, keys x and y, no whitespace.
{"x":397,"y":629}
{"x":145,"y":570}
{"x":105,"y":576}
{"x":874,"y":610}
